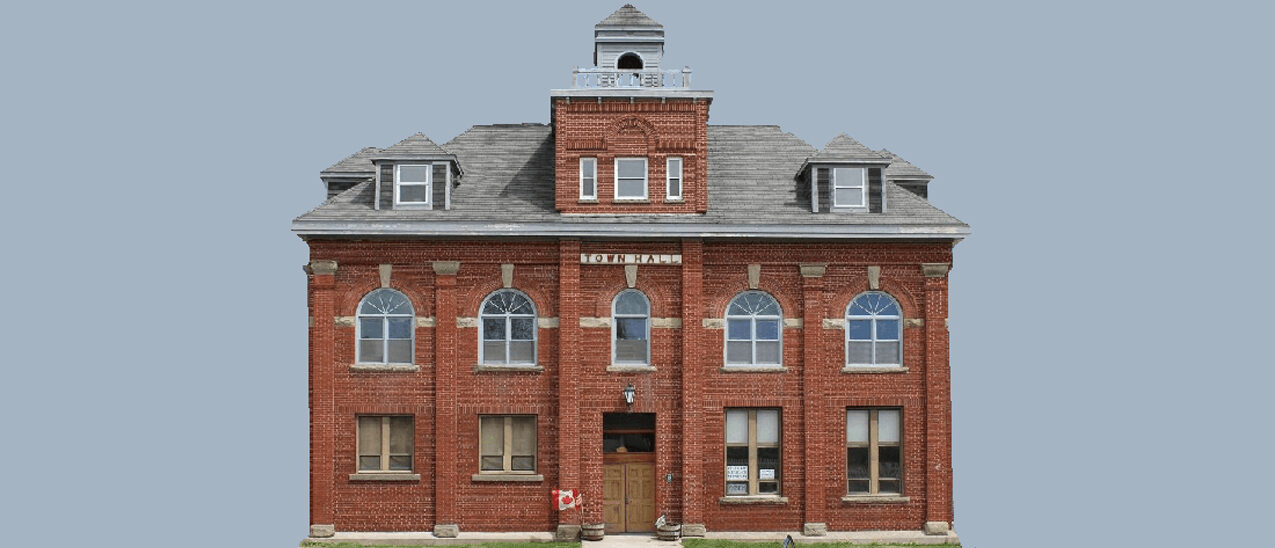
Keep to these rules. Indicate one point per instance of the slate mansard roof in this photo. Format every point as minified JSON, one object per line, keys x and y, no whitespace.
{"x":507,"y":189}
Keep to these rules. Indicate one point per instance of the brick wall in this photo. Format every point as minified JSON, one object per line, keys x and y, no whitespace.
{"x":651,"y":128}
{"x":690,"y":424}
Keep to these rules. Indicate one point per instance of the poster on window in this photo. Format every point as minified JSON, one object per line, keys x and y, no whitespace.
{"x":736,"y":473}
{"x":766,"y":474}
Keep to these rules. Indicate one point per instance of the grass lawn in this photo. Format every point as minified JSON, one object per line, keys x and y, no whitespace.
{"x":706,"y":543}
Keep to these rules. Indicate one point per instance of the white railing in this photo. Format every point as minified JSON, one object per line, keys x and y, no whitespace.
{"x":619,"y":78}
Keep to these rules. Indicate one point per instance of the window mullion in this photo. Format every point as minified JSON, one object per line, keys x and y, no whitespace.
{"x":509,"y":335}
{"x":385,"y":443}
{"x":874,"y":475}
{"x":509,"y":444}
{"x":753,"y":487}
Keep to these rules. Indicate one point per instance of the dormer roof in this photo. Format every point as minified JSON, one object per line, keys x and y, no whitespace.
{"x":844,"y":149}
{"x":354,"y":165}
{"x":902,"y":170}
{"x":628,"y":16}
{"x":415,"y":147}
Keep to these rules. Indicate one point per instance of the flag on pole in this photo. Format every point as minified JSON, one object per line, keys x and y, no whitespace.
{"x":566,"y":498}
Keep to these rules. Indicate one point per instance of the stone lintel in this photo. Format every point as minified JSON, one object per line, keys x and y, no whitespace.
{"x":323,"y":268}
{"x":814,"y":529}
{"x":936,"y":528}
{"x":446,"y":268}
{"x":793,"y":323}
{"x":589,"y":321}
{"x":666,"y":323}
{"x":714,"y":323}
{"x":934,"y":270}
{"x":507,"y":274}
{"x":450,"y":530}
{"x":466,"y":321}
{"x":754,"y":275}
{"x":813,"y":270}
{"x":343,"y":321}
{"x":425,"y":322}
{"x":630,"y":275}
{"x":874,"y":277}
{"x":385,"y":274}
{"x":914,"y":322}
{"x":322,"y":531}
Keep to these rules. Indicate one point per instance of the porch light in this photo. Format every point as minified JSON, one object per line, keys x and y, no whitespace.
{"x":629,"y":393}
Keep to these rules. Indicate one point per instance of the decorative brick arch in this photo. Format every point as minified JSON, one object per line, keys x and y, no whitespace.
{"x":717,"y":303}
{"x":908,"y":303}
{"x":630,"y":123}
{"x":348,"y":302}
{"x":468,"y":303}
{"x":658,"y":295}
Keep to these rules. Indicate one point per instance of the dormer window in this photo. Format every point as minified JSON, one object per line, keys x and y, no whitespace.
{"x":588,"y":178}
{"x":412,"y":184}
{"x":849,"y":187}
{"x":673,"y":179}
{"x":630,"y":179}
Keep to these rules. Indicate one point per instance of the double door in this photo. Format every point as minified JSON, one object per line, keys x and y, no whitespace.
{"x":629,"y":492}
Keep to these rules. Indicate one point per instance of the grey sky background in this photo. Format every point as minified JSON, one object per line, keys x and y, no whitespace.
{"x":1110,"y":316}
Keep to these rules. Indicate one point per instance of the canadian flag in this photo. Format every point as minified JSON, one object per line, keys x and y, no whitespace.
{"x":566,"y":498}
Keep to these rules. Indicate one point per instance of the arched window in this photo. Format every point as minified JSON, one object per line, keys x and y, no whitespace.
{"x":631,"y":328}
{"x":508,"y":329}
{"x":753,"y":325}
{"x":873,"y":333}
{"x":385,"y":328}
{"x":629,"y":61}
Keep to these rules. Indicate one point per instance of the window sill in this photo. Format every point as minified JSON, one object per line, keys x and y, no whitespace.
{"x":753,"y":499}
{"x":874,"y":499}
{"x":674,"y":201}
{"x":508,"y":477}
{"x":385,"y":476}
{"x":490,"y":368}
{"x":587,"y":201}
{"x":753,"y":369}
{"x":413,"y":205}
{"x":625,"y":368}
{"x":873,"y":369}
{"x":633,"y":200}
{"x":385,"y":367}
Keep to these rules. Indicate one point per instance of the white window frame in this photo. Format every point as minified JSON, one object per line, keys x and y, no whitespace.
{"x":668,"y":178}
{"x":535,"y":331}
{"x":863,"y":187}
{"x":592,"y":174}
{"x":752,"y":332}
{"x":615,"y":326}
{"x":646,"y":176}
{"x":385,"y":339}
{"x":874,"y":445}
{"x":872,"y":322}
{"x":508,"y":444}
{"x":384,"y":450}
{"x":428,"y":184}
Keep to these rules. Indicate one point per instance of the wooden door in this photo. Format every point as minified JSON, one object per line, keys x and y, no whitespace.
{"x":628,"y":492}
{"x":613,"y":497}
{"x":639,"y":512}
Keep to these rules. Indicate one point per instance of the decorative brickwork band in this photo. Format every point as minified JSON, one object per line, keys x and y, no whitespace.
{"x":934,"y":270}
{"x":323,"y":268}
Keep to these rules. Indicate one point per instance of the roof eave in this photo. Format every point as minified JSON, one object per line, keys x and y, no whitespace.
{"x":316,"y":227}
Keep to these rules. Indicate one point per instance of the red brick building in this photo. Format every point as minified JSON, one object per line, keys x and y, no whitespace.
{"x":722,"y":325}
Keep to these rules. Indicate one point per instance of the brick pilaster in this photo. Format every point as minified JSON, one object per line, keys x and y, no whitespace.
{"x":569,"y":375}
{"x":938,"y":403}
{"x":446,"y":476}
{"x":692,"y":374}
{"x":812,"y":380}
{"x":322,"y":399}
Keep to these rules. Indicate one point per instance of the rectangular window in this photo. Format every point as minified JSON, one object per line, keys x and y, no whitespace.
{"x":874,"y":452}
{"x":411,"y":184}
{"x":385,"y":443}
{"x":848,"y":186}
{"x":630,"y":178}
{"x":752,"y":452}
{"x":674,"y":178}
{"x":588,"y":178}
{"x":507,"y":444}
